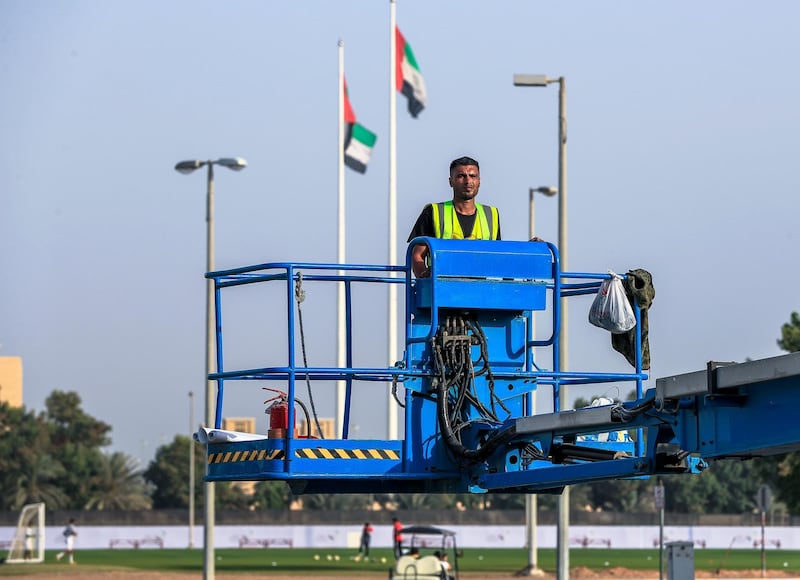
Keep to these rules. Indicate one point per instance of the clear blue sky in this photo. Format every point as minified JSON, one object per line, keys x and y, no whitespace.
{"x":683,"y":143}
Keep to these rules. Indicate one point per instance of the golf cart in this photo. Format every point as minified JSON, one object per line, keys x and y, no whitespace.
{"x":429,"y":550}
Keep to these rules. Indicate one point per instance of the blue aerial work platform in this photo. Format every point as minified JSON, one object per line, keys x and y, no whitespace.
{"x":469,"y":373}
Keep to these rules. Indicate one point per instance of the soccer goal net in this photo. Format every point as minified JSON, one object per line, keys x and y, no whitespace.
{"x":27,"y":547}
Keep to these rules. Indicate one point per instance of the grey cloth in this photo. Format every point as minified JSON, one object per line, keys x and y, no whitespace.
{"x":638,"y":286}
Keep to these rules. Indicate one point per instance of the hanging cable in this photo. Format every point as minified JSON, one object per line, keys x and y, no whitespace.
{"x":300,"y":295}
{"x":395,"y":380}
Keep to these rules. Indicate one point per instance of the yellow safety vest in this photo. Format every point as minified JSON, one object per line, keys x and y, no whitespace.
{"x":485,"y":228}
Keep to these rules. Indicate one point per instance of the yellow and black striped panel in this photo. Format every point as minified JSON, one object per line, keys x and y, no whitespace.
{"x":303,"y":453}
{"x":321,"y":453}
{"x":249,"y":455}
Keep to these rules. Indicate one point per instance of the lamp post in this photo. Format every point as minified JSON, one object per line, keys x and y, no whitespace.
{"x":531,"y":501}
{"x":191,"y":470}
{"x":236,"y":164}
{"x":532,"y":80}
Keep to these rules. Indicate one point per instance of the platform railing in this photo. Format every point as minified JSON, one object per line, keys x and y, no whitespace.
{"x":291,"y":273}
{"x":559,"y":284}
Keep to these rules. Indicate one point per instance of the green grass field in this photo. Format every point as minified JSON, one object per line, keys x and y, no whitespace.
{"x":325,"y":563}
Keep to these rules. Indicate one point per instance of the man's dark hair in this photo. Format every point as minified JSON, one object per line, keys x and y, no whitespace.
{"x":463,"y":161}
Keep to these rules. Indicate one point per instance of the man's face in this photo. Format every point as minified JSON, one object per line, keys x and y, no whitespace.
{"x":465,"y":181}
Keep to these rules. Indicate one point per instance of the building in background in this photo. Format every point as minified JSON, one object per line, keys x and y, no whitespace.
{"x":328,"y":429}
{"x":248,"y":425}
{"x":11,"y":380}
{"x":240,"y":424}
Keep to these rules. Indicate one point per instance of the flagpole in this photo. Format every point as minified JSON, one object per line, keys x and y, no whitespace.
{"x":340,"y":255}
{"x":391,"y":422}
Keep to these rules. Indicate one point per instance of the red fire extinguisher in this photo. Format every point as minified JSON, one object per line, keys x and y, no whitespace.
{"x":278,"y":415}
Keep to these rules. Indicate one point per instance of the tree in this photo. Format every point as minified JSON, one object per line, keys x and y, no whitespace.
{"x":739,"y":481}
{"x":336,"y":502}
{"x":71,"y":424}
{"x":728,"y":486}
{"x":270,"y":495}
{"x":28,"y":470}
{"x":782,"y":473}
{"x":790,"y":334}
{"x":118,"y":485}
{"x":76,"y":439}
{"x":624,"y":495}
{"x":505,"y":501}
{"x":38,"y":480}
{"x":169,"y":475}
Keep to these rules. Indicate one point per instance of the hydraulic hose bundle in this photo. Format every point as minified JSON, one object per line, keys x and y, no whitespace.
{"x":454,"y":387}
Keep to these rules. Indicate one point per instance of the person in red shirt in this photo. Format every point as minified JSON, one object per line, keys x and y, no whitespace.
{"x":398,"y":537}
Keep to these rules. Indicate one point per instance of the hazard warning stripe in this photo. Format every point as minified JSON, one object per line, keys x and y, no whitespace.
{"x":303,"y":453}
{"x":255,"y":454}
{"x":320,"y":453}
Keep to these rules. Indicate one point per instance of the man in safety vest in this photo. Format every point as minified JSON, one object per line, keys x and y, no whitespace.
{"x":459,"y":219}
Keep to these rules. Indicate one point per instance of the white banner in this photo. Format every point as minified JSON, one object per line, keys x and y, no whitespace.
{"x":155,"y":537}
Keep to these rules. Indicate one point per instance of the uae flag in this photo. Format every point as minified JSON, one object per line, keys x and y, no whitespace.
{"x":409,"y":79}
{"x":359,"y":140}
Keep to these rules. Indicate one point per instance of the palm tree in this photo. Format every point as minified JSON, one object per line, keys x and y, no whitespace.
{"x":38,"y":480}
{"x":332,"y":501}
{"x":118,"y":485}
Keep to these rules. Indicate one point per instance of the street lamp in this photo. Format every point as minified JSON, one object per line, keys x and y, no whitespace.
{"x":532,"y":80}
{"x":236,"y":164}
{"x":547,"y":190}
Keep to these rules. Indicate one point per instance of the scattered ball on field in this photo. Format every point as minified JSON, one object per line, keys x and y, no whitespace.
{"x":336,"y":557}
{"x":274,"y":563}
{"x":480,"y":557}
{"x":383,"y":560}
{"x":316,"y":556}
{"x":219,"y":557}
{"x":605,"y":563}
{"x":329,"y":557}
{"x":785,"y":564}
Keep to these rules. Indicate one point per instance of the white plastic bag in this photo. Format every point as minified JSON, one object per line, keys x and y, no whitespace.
{"x":611,"y":309}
